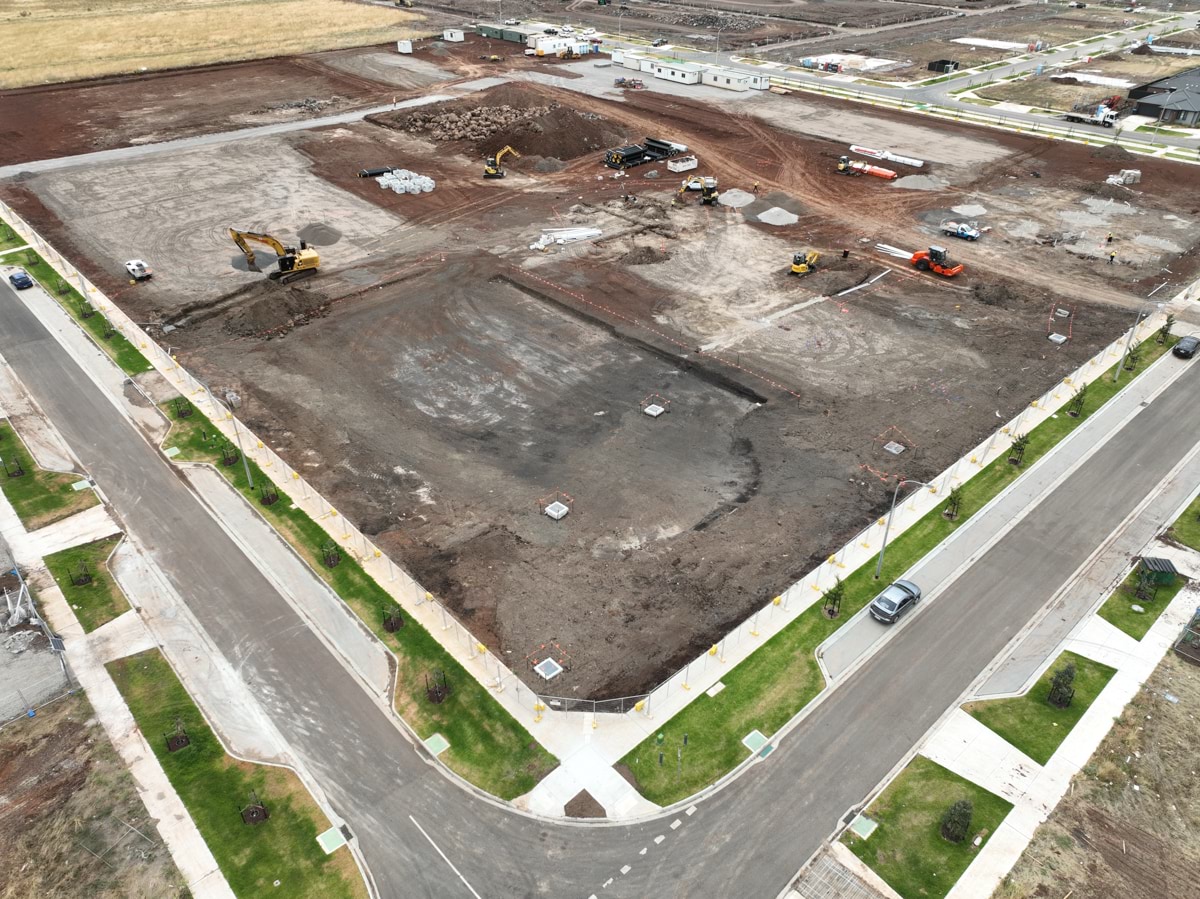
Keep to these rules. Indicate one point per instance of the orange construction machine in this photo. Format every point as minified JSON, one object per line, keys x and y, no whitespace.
{"x":935,"y":259}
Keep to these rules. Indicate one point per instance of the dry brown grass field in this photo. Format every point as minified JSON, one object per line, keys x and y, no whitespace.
{"x":68,"y":40}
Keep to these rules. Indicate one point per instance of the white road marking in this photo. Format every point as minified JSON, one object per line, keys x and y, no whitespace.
{"x":658,"y":839}
{"x":691,"y":811}
{"x":446,"y":860}
{"x":643,"y":852}
{"x":675,"y":824}
{"x":625,"y":869}
{"x":606,"y":883}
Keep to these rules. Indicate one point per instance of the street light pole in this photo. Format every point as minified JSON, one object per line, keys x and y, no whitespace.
{"x":1129,"y":342}
{"x":888,"y":523}
{"x":236,"y":433}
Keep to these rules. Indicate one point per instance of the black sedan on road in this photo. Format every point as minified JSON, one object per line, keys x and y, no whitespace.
{"x":893,"y":602}
{"x":1186,"y":348}
{"x":20,"y":280}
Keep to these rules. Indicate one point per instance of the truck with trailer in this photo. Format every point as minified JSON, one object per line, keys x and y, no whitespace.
{"x":653,"y":150}
{"x":1101,"y":115}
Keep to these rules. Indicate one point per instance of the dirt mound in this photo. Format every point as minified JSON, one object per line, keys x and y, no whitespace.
{"x":320,"y":235}
{"x":1106,"y":191}
{"x":644,"y":256}
{"x":510,"y":115}
{"x":997,"y":293}
{"x":271,"y":310}
{"x":1111,"y":151}
{"x":559,"y":133}
{"x":547,"y":164}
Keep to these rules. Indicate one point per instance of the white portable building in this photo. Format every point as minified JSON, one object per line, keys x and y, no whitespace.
{"x":681,"y":72}
{"x":454,"y":35}
{"x":728,"y":79}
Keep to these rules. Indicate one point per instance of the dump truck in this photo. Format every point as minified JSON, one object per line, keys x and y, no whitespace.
{"x":1101,"y":115}
{"x":936,"y":259}
{"x":961,"y":230}
{"x":848,"y":166}
{"x":653,"y":150}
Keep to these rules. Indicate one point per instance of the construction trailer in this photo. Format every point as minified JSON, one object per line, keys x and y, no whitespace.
{"x":726,"y":79}
{"x":454,"y":35}
{"x":679,"y":72}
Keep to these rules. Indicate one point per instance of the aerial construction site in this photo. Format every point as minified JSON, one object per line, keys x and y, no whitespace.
{"x":719,"y":385}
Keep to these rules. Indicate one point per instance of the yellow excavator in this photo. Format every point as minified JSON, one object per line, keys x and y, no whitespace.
{"x":492,"y":168}
{"x":293,"y":263}
{"x":803,"y":263}
{"x":707,"y":185}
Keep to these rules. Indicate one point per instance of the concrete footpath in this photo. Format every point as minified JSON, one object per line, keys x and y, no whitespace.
{"x":862,"y":636}
{"x":974,"y":752}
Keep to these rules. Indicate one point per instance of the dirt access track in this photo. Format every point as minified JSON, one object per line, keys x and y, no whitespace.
{"x":448,"y":378}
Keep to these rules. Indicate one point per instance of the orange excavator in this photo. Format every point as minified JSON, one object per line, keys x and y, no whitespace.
{"x":935,"y":259}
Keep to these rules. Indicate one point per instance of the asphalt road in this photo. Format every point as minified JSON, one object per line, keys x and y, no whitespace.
{"x":424,"y":836}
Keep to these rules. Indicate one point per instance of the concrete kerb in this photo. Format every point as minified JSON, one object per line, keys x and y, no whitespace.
{"x":971,"y":689}
{"x":414,"y":597}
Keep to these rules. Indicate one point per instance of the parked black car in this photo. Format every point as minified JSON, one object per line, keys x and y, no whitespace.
{"x":1186,"y":348}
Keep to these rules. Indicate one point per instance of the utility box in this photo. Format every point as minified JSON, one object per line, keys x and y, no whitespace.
{"x":404,"y":46}
{"x":1161,"y":571}
{"x":453,"y":35}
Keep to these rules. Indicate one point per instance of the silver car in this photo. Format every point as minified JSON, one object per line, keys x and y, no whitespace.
{"x":893,"y":602}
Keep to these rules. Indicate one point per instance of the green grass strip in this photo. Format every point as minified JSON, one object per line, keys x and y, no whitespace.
{"x":127,"y":357}
{"x":215,"y":788}
{"x":1032,"y":724}
{"x":766,"y":690}
{"x":9,"y":238}
{"x":907,"y":849}
{"x":39,"y":497}
{"x":1118,"y":608}
{"x":1186,"y":528}
{"x":488,"y":747}
{"x":98,"y":601}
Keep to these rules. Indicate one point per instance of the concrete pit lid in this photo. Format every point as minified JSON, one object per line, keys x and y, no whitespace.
{"x":548,"y":669}
{"x":894,"y":448}
{"x":558,"y":511}
{"x":654,"y":410}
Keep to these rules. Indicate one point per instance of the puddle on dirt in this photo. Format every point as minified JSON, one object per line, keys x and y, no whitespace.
{"x":318,"y":234}
{"x":921,"y":182}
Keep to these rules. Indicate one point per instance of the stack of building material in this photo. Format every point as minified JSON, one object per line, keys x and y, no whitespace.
{"x":402,"y":181}
{"x":551,"y":236}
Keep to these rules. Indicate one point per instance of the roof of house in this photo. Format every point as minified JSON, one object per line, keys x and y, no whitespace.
{"x":1185,"y":99}
{"x":1190,"y":78}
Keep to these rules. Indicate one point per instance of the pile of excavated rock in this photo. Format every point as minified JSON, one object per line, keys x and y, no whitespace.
{"x":471,"y":124}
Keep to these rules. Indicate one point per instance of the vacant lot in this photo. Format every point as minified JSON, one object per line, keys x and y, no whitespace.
{"x":67,"y":40}
{"x":1127,"y":826}
{"x":72,"y":822}
{"x":437,"y":378}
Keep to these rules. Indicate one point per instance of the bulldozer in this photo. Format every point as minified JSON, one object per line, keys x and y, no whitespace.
{"x":294,"y":263}
{"x":803,"y":263}
{"x":492,"y":168}
{"x":935,"y":259}
{"x":707,"y":185}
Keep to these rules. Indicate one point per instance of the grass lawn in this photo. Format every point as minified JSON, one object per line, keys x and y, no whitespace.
{"x":781,"y":678}
{"x":907,"y":849}
{"x":1117,"y":609}
{"x":1186,"y":528}
{"x":215,"y":788}
{"x":39,"y":497}
{"x":9,"y":238}
{"x":100,"y":601}
{"x":1033,"y":725}
{"x":488,"y":746}
{"x":66,"y":40}
{"x":121,"y":351}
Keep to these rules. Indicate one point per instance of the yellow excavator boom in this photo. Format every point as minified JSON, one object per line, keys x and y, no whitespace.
{"x":292,"y":260}
{"x":493,"y":168}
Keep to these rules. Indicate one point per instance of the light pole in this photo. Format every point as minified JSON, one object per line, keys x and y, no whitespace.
{"x":1129,"y":343}
{"x":236,"y":431}
{"x":888,"y":523}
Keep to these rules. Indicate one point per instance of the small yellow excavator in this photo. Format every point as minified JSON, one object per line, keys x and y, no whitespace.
{"x":707,"y":185}
{"x":492,"y":168}
{"x":293,"y":263}
{"x":803,"y":263}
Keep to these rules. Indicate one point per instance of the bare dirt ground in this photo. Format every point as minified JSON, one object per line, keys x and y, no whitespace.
{"x":63,"y":120}
{"x":71,"y":823}
{"x":1127,"y":826}
{"x":445,"y":378}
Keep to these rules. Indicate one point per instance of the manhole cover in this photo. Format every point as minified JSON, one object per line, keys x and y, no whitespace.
{"x":548,"y":669}
{"x":558,"y":511}
{"x":1059,"y":339}
{"x":894,"y":448}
